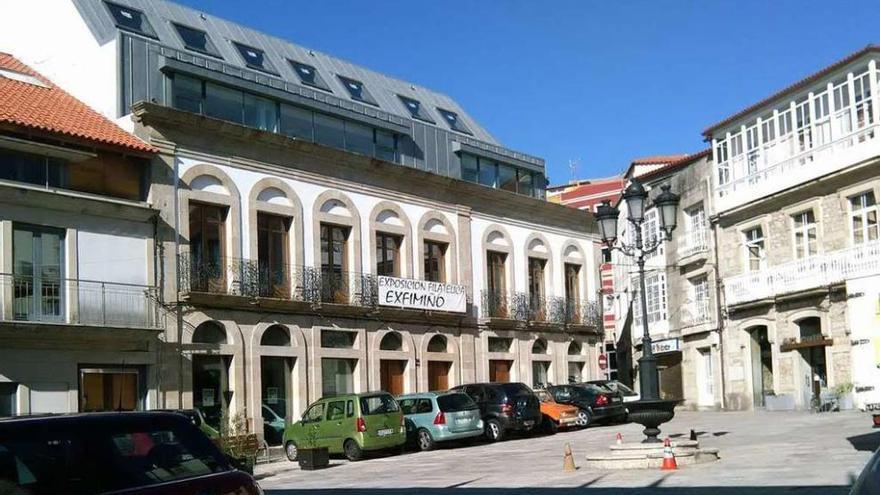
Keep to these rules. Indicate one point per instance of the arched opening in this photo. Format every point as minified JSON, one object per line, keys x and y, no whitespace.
{"x":539,"y":347}
{"x":540,"y":364}
{"x":574,"y":348}
{"x":438,"y":371}
{"x":209,"y":332}
{"x":575,"y":363}
{"x":210,"y":375}
{"x":392,"y":341}
{"x":392,"y":371}
{"x":438,"y":344}
{"x":276,"y":335}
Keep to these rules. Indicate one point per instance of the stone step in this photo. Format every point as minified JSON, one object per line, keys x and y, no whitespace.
{"x":649,"y":460}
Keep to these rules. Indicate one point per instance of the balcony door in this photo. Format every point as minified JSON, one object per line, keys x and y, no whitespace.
{"x":272,"y":255}
{"x":496,"y":283}
{"x":206,"y":244}
{"x":38,"y":293}
{"x":334,"y":276}
{"x":435,"y":263}
{"x":536,"y":288}
{"x":388,"y":254}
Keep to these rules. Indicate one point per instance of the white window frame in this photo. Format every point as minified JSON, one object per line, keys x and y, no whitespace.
{"x":801,"y":234}
{"x":862,"y":212}
{"x":758,"y":242}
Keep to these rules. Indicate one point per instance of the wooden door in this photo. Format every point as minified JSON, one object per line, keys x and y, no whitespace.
{"x":499,"y":371}
{"x":438,"y":375}
{"x":391,"y":375}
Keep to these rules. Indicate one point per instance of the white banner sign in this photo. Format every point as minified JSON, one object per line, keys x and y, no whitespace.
{"x":421,"y":294}
{"x":664,"y":346}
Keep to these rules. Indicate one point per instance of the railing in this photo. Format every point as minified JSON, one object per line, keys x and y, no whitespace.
{"x":78,"y":302}
{"x":804,"y":274}
{"x":697,"y":313}
{"x":554,"y":310}
{"x":251,"y":278}
{"x":845,"y":149}
{"x":692,"y":243}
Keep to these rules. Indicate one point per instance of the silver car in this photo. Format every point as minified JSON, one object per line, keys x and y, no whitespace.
{"x":433,"y":417}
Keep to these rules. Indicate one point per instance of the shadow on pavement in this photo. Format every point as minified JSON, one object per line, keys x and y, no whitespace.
{"x":867,"y":442}
{"x":650,"y":490}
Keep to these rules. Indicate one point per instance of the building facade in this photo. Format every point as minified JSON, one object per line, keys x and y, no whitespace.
{"x":795,"y":185}
{"x":323,"y":228}
{"x":79,"y":317}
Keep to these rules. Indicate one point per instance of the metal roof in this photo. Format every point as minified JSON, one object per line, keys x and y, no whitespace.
{"x":383,"y":88}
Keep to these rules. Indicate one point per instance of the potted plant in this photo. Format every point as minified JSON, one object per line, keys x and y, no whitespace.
{"x":236,"y":443}
{"x":310,"y":456}
{"x":843,"y":394}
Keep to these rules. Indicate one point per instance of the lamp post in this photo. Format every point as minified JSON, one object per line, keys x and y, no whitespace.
{"x":651,"y":411}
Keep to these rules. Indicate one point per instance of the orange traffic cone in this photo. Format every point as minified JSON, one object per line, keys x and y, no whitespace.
{"x":669,"y":463}
{"x":619,"y":438}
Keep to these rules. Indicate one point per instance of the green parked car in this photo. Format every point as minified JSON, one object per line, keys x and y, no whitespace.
{"x":440,"y":417}
{"x":348,"y":424}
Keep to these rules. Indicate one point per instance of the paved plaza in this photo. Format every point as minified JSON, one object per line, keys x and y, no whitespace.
{"x":820,"y":454}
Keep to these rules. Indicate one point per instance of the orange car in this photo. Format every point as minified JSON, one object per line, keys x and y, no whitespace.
{"x":556,"y":415}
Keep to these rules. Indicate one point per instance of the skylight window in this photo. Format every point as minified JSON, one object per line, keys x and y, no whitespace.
{"x":130,"y":19}
{"x":254,"y":58}
{"x":416,"y":109}
{"x":195,"y":39}
{"x":454,"y":122}
{"x":308,"y":75}
{"x":357,"y":90}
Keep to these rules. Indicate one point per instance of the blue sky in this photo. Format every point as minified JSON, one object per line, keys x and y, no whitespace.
{"x":602,"y":81}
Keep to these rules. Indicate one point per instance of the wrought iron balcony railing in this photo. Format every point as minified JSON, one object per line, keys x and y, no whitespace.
{"x":78,"y":302}
{"x":252,"y":278}
{"x":526,"y":308}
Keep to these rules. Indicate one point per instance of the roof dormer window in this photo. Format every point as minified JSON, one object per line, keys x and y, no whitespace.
{"x":254,"y":58}
{"x":416,"y":109}
{"x":195,"y":39}
{"x":357,"y":90}
{"x":130,"y":19}
{"x":454,"y":122}
{"x":309,"y":75}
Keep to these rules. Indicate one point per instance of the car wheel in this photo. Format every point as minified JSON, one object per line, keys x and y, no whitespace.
{"x":291,"y":451}
{"x":425,"y":441}
{"x":584,"y":418}
{"x":352,"y":450}
{"x":494,"y":432}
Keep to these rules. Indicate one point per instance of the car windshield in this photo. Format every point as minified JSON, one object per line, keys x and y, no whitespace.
{"x":94,"y":457}
{"x":455,"y":403}
{"x":378,"y":404}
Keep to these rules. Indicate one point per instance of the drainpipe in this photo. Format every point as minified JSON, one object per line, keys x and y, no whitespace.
{"x":178,"y":312}
{"x":718,"y":312}
{"x":157,"y":267}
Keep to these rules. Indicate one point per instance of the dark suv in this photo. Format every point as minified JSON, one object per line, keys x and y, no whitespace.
{"x":131,"y":453}
{"x":596,"y":403}
{"x":504,"y":407}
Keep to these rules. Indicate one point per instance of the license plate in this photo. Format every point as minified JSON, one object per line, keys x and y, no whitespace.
{"x":616,"y":399}
{"x":385,"y":432}
{"x":873,"y":406}
{"x":461,"y":421}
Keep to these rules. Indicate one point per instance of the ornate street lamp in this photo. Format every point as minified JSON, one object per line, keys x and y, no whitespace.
{"x":649,"y":410}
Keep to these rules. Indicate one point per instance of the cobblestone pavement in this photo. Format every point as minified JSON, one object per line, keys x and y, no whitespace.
{"x":761,"y":453}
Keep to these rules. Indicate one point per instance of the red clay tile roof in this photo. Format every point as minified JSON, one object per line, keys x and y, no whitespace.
{"x":676,"y":164}
{"x":50,"y":109}
{"x":658,"y":159}
{"x":812,"y":78}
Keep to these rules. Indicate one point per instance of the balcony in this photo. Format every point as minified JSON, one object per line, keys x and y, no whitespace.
{"x":253,"y":279}
{"x":777,"y":175}
{"x":696,"y":313}
{"x":805,"y":274}
{"x":520,"y":307}
{"x":691,"y":243}
{"x":62,"y":301}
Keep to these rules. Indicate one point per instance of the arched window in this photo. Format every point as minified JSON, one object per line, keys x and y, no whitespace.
{"x":437,"y":344}
{"x":209,"y":332}
{"x":810,"y":328}
{"x":574,"y":349}
{"x":276,"y":335}
{"x":392,"y":341}
{"x":539,"y":347}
